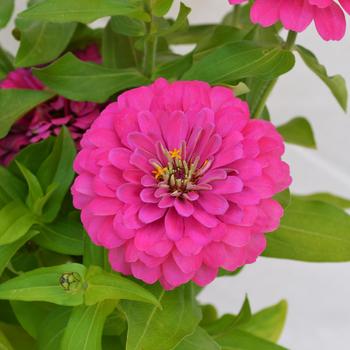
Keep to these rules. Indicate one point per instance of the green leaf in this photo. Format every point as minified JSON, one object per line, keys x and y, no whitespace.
{"x":14,"y":103}
{"x":174,"y":69}
{"x":36,"y":41}
{"x":62,"y":11}
{"x":15,"y":221}
{"x":52,"y":328}
{"x":161,"y":7}
{"x":128,"y":26}
{"x":11,"y":185}
{"x":267,"y":323}
{"x":30,"y":315}
{"x":151,"y":328}
{"x":299,"y":132}
{"x":85,"y":326}
{"x":73,"y":79}
{"x":18,"y":338}
{"x":95,"y":255}
{"x":6,"y":9}
{"x":63,"y":236}
{"x":4,"y":342}
{"x":240,"y":340}
{"x":241,"y":60}
{"x":104,"y":285}
{"x":57,"y":169}
{"x":336,"y":83}
{"x":283,"y":198}
{"x":7,"y":251}
{"x":47,"y":284}
{"x":311,"y":231}
{"x":200,"y":339}
{"x":6,"y":65}
{"x":180,"y":22}
{"x":328,"y":198}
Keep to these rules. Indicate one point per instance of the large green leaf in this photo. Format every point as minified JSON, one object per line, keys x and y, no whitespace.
{"x":14,"y":103}
{"x":6,"y":9}
{"x":36,"y":41}
{"x":299,"y":132}
{"x":311,"y":231}
{"x":241,"y":340}
{"x":200,"y":339}
{"x":85,"y":326}
{"x":62,"y":11}
{"x":336,"y":83}
{"x":7,"y":251}
{"x":47,"y":284}
{"x":102,"y":285}
{"x":241,"y":60}
{"x":73,"y":79}
{"x":15,"y":221}
{"x":151,"y":328}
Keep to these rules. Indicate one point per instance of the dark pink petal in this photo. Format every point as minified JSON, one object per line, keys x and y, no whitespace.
{"x":183,"y":207}
{"x":129,"y":193}
{"x":120,"y":157}
{"x":232,"y":184}
{"x":174,"y":225}
{"x":213,"y":203}
{"x":150,"y":213}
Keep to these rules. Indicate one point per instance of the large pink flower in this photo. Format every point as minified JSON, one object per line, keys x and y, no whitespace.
{"x":297,"y":15}
{"x":176,"y":181}
{"x":48,"y":118}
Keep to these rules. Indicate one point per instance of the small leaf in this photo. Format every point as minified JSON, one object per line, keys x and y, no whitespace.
{"x":200,"y":339}
{"x":311,"y":231}
{"x":7,"y":251}
{"x":36,"y":41}
{"x":14,"y":103}
{"x":336,"y":83}
{"x":73,"y":79}
{"x":63,"y":11}
{"x":6,"y":9}
{"x":47,"y":284}
{"x":152,"y":328}
{"x":299,"y":132}
{"x":104,"y":285}
{"x":85,"y":326}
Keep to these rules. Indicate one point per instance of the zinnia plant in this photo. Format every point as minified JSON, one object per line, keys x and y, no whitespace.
{"x":132,"y":177}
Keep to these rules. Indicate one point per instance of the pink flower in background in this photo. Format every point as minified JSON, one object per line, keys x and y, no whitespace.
{"x":177,"y":182}
{"x":48,"y":118}
{"x":297,"y":15}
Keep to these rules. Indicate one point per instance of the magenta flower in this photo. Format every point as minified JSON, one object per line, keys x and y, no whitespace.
{"x":48,"y":118}
{"x":297,"y":15}
{"x":176,"y":181}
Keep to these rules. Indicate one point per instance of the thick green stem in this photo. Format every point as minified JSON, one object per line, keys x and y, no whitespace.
{"x":289,"y":45}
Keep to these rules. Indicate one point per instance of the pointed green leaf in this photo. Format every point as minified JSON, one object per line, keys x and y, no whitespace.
{"x":73,"y":79}
{"x":14,"y":103}
{"x":299,"y":132}
{"x":6,"y":9}
{"x":200,"y":339}
{"x":11,"y":185}
{"x":161,"y":7}
{"x":180,"y":21}
{"x":152,"y":328}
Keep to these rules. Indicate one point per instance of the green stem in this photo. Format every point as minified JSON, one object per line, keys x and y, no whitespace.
{"x":236,"y":16}
{"x":289,"y":45}
{"x":150,"y":48}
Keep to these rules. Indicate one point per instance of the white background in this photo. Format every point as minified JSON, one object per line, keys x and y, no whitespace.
{"x":318,"y":294}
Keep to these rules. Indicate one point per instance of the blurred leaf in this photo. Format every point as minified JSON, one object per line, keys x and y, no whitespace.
{"x":241,"y":60}
{"x":73,"y":79}
{"x":63,"y":11}
{"x":36,"y":41}
{"x":152,"y":328}
{"x":311,"y":231}
{"x":161,"y":7}
{"x":14,"y":103}
{"x":180,"y":21}
{"x":85,"y":326}
{"x":57,"y":169}
{"x":258,"y":88}
{"x":30,"y":315}
{"x":174,"y":69}
{"x":7,"y":251}
{"x":128,"y":26}
{"x":11,"y":185}
{"x":240,"y":340}
{"x":104,"y":285}
{"x":200,"y":339}
{"x":4,"y":343}
{"x":267,"y":323}
{"x":284,"y":198}
{"x":15,"y":222}
{"x":209,"y":314}
{"x":63,"y":236}
{"x":336,"y":83}
{"x":18,"y":338}
{"x":52,"y":328}
{"x":6,"y":9}
{"x":299,"y":132}
{"x":6,"y":65}
{"x":191,"y":35}
{"x":94,"y":255}
{"x":47,"y":284}
{"x":328,"y":198}
{"x":115,"y":324}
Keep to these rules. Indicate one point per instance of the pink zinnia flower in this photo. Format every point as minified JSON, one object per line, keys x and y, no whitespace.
{"x":297,"y":15}
{"x":48,"y":118}
{"x":176,"y":181}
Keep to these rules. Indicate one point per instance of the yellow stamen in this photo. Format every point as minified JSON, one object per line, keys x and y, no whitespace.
{"x":175,"y":153}
{"x":159,"y":172}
